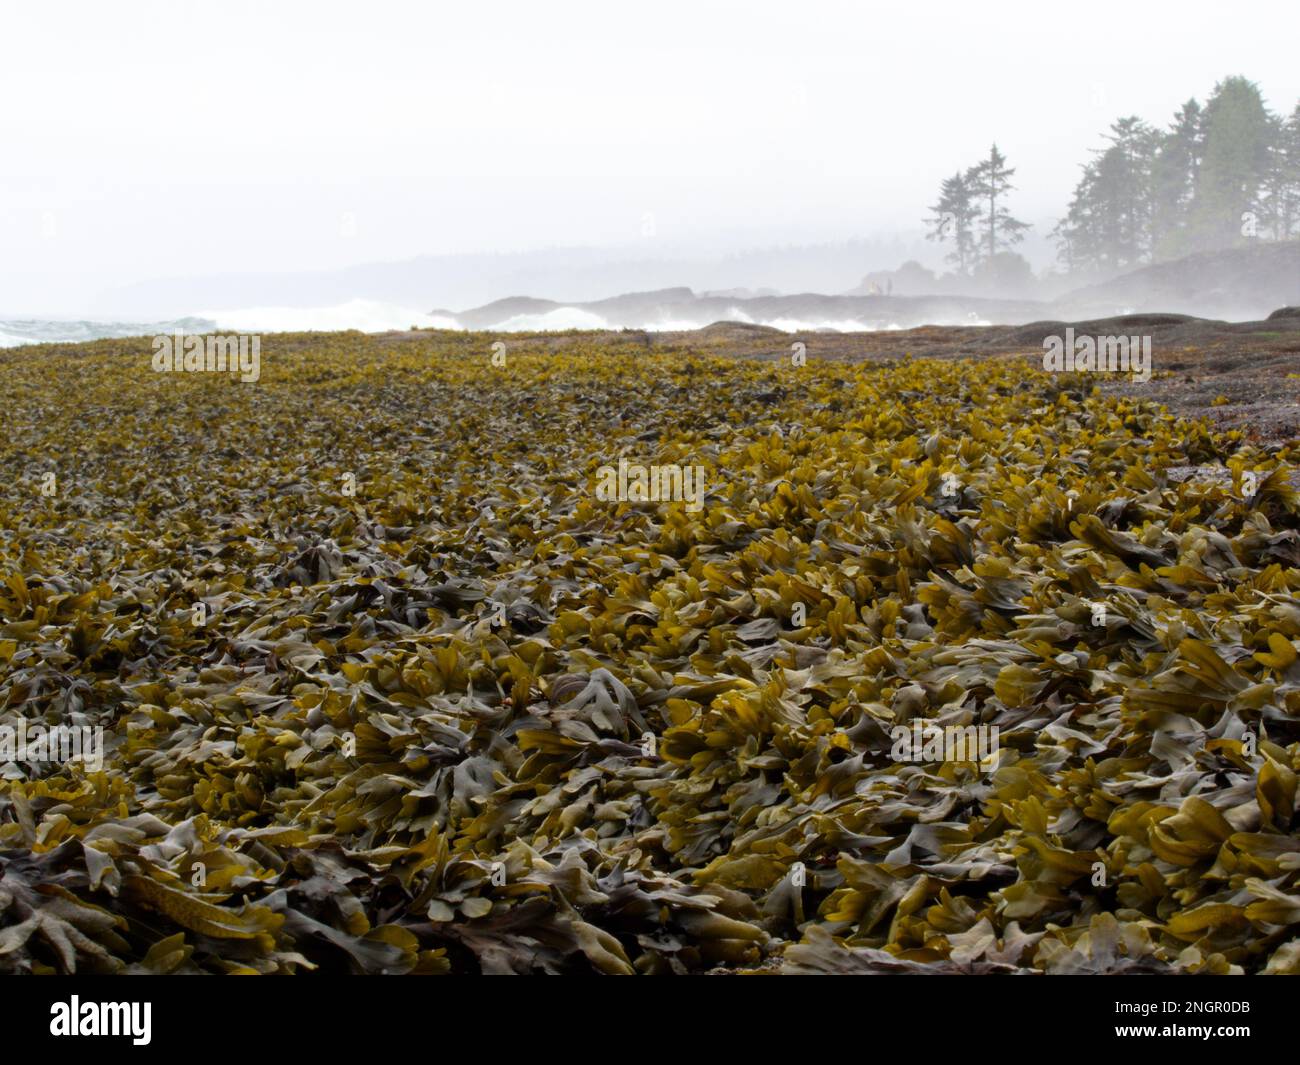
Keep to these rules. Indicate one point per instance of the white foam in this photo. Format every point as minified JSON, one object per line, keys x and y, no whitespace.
{"x":368,"y":316}
{"x":374,"y":316}
{"x":795,"y":325}
{"x":672,"y":325}
{"x":551,"y":321}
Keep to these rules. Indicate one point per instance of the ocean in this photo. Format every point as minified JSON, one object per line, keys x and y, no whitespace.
{"x":372,"y":316}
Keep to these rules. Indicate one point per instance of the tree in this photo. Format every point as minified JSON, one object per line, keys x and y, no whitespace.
{"x":1077,"y":235}
{"x":1108,"y":224}
{"x":1216,"y":175}
{"x":953,"y":220}
{"x":1280,"y":204}
{"x":1008,"y":273}
{"x":1125,"y":175}
{"x":1173,"y":179}
{"x":1237,"y":143}
{"x":1291,"y":151}
{"x":989,"y":182}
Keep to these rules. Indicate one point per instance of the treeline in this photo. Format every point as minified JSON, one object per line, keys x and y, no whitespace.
{"x":1215,"y":177}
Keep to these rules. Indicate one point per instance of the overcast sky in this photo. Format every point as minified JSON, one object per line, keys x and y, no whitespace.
{"x":142,"y":140}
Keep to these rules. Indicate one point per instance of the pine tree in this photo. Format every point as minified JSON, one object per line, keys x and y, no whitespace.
{"x":990,"y":181}
{"x":1173,"y":178}
{"x":1124,"y":187}
{"x":1157,"y":195}
{"x":1237,"y":139}
{"x":1108,"y":225}
{"x":953,"y":220}
{"x":1291,"y":151}
{"x":1280,"y":204}
{"x":1078,"y":234}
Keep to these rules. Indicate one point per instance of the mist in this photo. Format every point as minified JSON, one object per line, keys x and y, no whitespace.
{"x":162,"y":160}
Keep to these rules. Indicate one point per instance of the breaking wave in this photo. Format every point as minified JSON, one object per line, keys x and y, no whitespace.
{"x":19,"y":331}
{"x":368,"y":316}
{"x":374,"y":316}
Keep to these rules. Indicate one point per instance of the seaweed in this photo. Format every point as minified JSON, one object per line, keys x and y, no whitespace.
{"x":386,"y":685}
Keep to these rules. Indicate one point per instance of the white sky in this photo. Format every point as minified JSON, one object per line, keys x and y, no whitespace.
{"x":150,"y":140}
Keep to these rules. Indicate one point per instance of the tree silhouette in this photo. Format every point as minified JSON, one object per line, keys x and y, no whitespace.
{"x":990,"y":181}
{"x":953,"y":219}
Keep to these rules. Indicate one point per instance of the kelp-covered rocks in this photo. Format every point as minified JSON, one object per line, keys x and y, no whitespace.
{"x":385,"y":685}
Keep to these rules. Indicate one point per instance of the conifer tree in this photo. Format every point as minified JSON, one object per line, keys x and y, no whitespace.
{"x":1173,"y":179}
{"x":990,"y":181}
{"x":953,"y":219}
{"x":1235,"y":157}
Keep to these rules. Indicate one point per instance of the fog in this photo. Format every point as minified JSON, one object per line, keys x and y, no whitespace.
{"x":168,"y":159}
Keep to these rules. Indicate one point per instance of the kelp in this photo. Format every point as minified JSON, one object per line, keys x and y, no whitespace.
{"x":386,"y":687}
